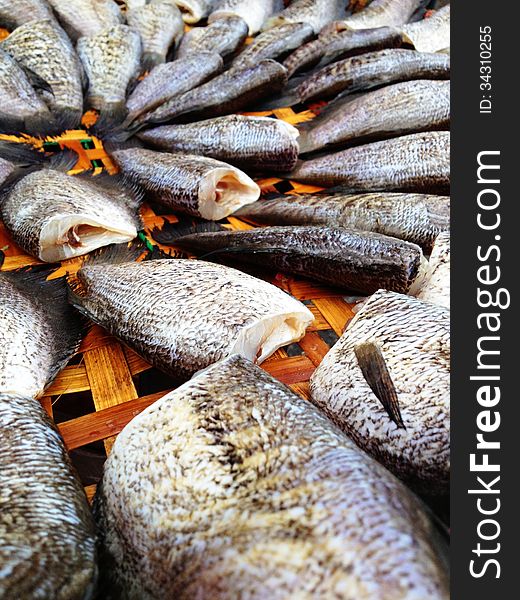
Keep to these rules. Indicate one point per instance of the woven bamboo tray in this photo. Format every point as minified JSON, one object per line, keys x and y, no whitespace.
{"x":101,"y":386}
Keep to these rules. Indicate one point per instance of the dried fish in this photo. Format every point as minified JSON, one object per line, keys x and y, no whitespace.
{"x":316,"y":13}
{"x":254,"y":13}
{"x":224,"y":36}
{"x":431,"y":34}
{"x":86,"y":17}
{"x":436,"y":287}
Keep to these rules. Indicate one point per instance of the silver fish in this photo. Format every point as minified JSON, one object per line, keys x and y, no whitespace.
{"x":360,"y":261}
{"x":194,"y":11}
{"x":86,"y":17}
{"x":254,"y":13}
{"x":399,"y":109}
{"x":373,"y":69}
{"x":171,"y":79}
{"x":111,"y":60}
{"x":55,"y":216}
{"x":419,"y":162}
{"x":160,"y":25}
{"x":224,"y":36}
{"x":246,"y":491}
{"x":233,"y":90}
{"x":47,"y":536}
{"x":14,"y":13}
{"x":183,"y":315}
{"x":398,"y":413}
{"x":431,"y":34}
{"x":316,"y":13}
{"x":21,"y":109}
{"x":39,"y":332}
{"x":196,"y":185}
{"x":13,"y":155}
{"x":44,"y":48}
{"x":258,"y":143}
{"x":381,"y":13}
{"x":273,"y":43}
{"x":416,"y":218}
{"x":436,"y":287}
{"x":327,"y":48}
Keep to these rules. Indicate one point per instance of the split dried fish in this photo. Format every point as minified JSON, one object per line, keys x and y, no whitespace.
{"x":45,"y":49}
{"x":359,"y":261}
{"x":416,"y":218}
{"x":47,"y":536}
{"x":372,"y":70}
{"x":171,"y":79}
{"x":245,"y":490}
{"x":196,"y":185}
{"x":160,"y":25}
{"x":183,"y":315}
{"x":224,"y":36}
{"x":55,"y":216}
{"x":273,"y":43}
{"x":399,"y":109}
{"x":436,"y":287}
{"x":419,"y":162}
{"x":112,"y":61}
{"x":227,"y":93}
{"x":254,"y":13}
{"x":401,"y":418}
{"x":258,"y":143}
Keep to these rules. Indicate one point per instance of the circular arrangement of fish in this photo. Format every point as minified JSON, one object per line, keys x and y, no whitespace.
{"x":232,"y":485}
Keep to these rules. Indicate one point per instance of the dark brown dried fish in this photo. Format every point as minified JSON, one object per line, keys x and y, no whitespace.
{"x":196,"y":185}
{"x":224,"y":36}
{"x":342,"y":44}
{"x":230,"y":92}
{"x":273,"y":503}
{"x":273,"y":43}
{"x":171,"y":79}
{"x":408,"y":107}
{"x":372,"y":70}
{"x":258,"y":143}
{"x":416,"y":218}
{"x":419,"y":162}
{"x":359,"y":261}
{"x":414,"y":340}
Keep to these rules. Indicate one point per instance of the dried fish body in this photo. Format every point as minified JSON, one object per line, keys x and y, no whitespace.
{"x":171,"y":79}
{"x":55,"y":216}
{"x":229,"y":92}
{"x":196,"y":185}
{"x":419,"y":162}
{"x":47,"y":537}
{"x":416,"y":218}
{"x":14,"y":13}
{"x":436,"y":287}
{"x":258,"y":143}
{"x":411,"y":435}
{"x":381,"y":13}
{"x":45,"y":49}
{"x":223,"y":36}
{"x":39,"y":332}
{"x":183,"y":315}
{"x":273,"y":43}
{"x":394,"y":110}
{"x":431,"y":34}
{"x":160,"y":25}
{"x":254,"y":13}
{"x":194,"y":11}
{"x":86,"y":17}
{"x":373,"y":69}
{"x":316,"y":13}
{"x":250,"y":492}
{"x":360,"y":261}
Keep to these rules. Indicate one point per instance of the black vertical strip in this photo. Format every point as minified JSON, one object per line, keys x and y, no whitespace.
{"x":490,"y":540}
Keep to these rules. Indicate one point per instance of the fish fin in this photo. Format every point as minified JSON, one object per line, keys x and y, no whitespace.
{"x":286,"y":100}
{"x":67,"y":118}
{"x":149,"y":60}
{"x":117,"y":186}
{"x":36,"y":80}
{"x":169,"y":233}
{"x":250,"y":249}
{"x":65,"y":325}
{"x":373,"y":366}
{"x":21,"y":154}
{"x":110,"y":118}
{"x":115,"y":254}
{"x":64,"y":160}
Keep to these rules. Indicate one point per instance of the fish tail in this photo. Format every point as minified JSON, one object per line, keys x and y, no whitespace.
{"x":21,"y":154}
{"x":150,"y":60}
{"x":109,"y":119}
{"x":67,"y":118}
{"x":65,"y":325}
{"x":170,"y":233}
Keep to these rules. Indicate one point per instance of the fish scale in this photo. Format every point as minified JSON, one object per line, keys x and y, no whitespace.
{"x":223,"y":36}
{"x":249,"y":490}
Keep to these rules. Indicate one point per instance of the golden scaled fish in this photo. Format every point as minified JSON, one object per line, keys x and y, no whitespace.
{"x":195,"y":185}
{"x":386,"y":384}
{"x":183,"y":315}
{"x":243,"y":489}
